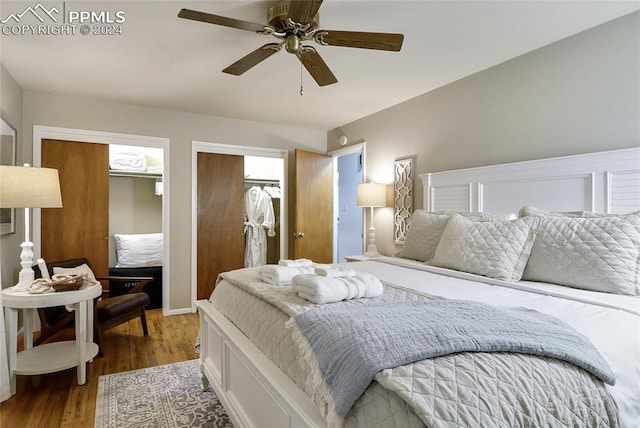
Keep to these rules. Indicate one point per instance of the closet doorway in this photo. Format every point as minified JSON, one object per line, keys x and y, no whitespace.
{"x":79,"y":142}
{"x":222,"y":177}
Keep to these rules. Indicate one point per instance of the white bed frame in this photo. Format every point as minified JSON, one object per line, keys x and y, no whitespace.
{"x":255,"y":392}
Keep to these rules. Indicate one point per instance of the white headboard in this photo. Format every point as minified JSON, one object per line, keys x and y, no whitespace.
{"x":607,"y":182}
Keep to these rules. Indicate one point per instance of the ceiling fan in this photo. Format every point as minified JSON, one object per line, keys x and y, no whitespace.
{"x":295,"y":22}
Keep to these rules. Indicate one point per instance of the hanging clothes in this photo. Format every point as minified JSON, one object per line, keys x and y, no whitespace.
{"x":274,"y":192}
{"x":259,"y":222}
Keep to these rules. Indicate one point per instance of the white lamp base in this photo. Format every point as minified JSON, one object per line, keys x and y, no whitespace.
{"x":372,"y":249}
{"x":26,"y":275}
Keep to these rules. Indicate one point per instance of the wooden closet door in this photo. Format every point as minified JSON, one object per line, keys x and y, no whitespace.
{"x":312,"y":236}
{"x":220,"y":233}
{"x":81,"y":227}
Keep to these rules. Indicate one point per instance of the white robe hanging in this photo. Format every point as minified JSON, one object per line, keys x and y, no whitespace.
{"x":259,"y":221}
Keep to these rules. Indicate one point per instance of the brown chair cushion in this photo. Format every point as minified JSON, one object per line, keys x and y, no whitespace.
{"x":113,"y":307}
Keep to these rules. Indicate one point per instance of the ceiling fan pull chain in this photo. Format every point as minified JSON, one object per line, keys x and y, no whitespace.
{"x":301,"y":89}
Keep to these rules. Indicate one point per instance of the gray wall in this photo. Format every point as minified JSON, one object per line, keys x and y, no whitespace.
{"x":133,"y":208}
{"x":181,"y":128}
{"x":578,"y":95}
{"x":11,"y":112}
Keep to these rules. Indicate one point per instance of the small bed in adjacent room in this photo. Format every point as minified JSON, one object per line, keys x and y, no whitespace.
{"x":139,"y":255}
{"x":484,"y":319}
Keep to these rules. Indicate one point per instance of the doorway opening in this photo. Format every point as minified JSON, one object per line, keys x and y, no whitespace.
{"x":349,"y":171}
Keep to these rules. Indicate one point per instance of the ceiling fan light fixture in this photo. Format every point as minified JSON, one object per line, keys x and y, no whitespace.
{"x":292,"y":44}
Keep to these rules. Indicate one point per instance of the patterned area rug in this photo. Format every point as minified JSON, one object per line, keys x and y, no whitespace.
{"x":164,"y":396}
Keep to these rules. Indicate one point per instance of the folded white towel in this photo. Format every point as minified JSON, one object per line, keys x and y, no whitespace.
{"x":325,"y":289}
{"x":281,"y":275}
{"x":335,"y":272}
{"x":129,"y":161}
{"x":296,"y":262}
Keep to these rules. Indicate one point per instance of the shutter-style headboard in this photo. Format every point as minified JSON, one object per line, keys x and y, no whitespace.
{"x":606,"y":182}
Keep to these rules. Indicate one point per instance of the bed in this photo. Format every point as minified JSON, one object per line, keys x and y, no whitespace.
{"x":254,"y":356}
{"x":139,"y":255}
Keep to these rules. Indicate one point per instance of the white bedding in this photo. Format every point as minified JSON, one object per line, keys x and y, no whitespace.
{"x":611,"y":322}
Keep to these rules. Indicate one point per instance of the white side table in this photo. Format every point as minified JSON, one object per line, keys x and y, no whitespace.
{"x":50,"y":357}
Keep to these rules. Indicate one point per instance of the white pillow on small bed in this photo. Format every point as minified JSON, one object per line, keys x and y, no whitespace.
{"x":497,"y":249}
{"x":139,"y":250}
{"x":598,"y":252}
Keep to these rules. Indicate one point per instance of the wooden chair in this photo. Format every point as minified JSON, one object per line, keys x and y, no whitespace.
{"x":109,"y":311}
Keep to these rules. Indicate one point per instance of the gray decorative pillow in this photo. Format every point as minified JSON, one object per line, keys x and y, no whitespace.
{"x":598,"y":252}
{"x":423,"y":235}
{"x":497,"y":249}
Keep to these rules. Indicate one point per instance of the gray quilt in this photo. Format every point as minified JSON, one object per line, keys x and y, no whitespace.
{"x":353,"y":344}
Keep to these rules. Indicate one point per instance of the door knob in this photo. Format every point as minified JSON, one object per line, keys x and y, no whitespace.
{"x":298,"y":234}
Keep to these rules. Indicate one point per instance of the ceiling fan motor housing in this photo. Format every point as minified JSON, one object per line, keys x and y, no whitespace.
{"x":277,"y":18}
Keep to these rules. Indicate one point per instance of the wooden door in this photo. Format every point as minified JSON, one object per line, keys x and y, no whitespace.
{"x":312,"y":236}
{"x":220,"y":230}
{"x":81,"y":227}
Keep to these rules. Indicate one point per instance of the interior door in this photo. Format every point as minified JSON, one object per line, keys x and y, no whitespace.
{"x":220,"y":221}
{"x":313,"y":207}
{"x":81,"y":227}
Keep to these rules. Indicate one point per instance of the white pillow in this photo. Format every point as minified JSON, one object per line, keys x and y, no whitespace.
{"x":423,"y":235}
{"x":533,"y":211}
{"x":426,"y":228}
{"x":497,"y":249}
{"x":481,"y":216}
{"x":597,"y":252}
{"x":83,"y":269}
{"x":139,"y":250}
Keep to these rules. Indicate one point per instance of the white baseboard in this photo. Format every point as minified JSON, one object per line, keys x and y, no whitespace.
{"x":169,"y":312}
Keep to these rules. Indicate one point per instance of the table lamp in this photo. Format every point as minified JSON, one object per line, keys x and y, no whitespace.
{"x":26,"y":187}
{"x":371,"y":195}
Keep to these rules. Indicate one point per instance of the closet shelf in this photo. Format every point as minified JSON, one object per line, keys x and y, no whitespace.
{"x":137,"y":174}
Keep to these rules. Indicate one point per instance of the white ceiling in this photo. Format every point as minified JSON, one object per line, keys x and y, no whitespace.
{"x":166,"y":62}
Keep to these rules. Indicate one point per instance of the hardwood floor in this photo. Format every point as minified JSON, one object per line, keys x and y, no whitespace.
{"x":56,"y":400}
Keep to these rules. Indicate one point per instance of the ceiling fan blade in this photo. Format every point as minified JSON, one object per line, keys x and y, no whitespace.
{"x":194,"y":15}
{"x":303,"y":11}
{"x":364,"y":40}
{"x":316,"y":66}
{"x":253,"y":59}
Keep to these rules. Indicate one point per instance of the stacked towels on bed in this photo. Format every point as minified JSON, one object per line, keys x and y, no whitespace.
{"x":321,"y":283}
{"x":285,"y":270}
{"x":282,"y":275}
{"x":336,"y":284}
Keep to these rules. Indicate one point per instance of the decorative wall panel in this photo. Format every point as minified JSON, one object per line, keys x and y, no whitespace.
{"x":402,"y":198}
